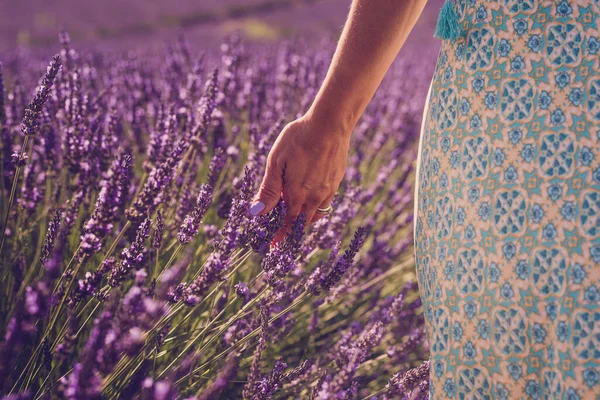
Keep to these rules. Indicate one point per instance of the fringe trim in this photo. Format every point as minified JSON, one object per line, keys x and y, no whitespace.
{"x":447,"y":25}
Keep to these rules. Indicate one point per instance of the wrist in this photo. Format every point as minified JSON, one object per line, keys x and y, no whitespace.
{"x":333,"y":121}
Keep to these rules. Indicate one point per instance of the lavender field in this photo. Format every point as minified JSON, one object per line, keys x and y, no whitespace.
{"x":132,"y":143}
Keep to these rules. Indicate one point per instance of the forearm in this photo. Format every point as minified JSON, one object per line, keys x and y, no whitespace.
{"x":372,"y":36}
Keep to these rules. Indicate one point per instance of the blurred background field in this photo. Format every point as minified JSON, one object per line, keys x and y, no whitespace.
{"x":144,"y":24}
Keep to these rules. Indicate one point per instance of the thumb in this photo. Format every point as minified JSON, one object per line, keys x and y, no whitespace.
{"x":270,"y":191}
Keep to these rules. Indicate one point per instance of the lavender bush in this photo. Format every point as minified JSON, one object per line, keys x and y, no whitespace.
{"x":131,"y":267}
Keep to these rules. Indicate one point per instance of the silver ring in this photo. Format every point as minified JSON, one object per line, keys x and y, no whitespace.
{"x":327,"y":210}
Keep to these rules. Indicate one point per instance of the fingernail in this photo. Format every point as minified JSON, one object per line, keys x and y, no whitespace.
{"x":256,"y":208}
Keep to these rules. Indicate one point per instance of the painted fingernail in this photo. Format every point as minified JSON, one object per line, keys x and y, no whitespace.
{"x":256,"y":208}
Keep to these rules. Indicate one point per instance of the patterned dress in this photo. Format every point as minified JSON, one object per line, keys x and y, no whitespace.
{"x":507,"y":229}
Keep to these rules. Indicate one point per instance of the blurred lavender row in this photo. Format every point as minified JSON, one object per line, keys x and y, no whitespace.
{"x":130,"y":265}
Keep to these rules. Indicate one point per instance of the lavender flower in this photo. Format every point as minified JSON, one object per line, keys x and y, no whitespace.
{"x":53,"y":228}
{"x":251,"y":387}
{"x":85,"y":380}
{"x":282,"y":258}
{"x":71,"y":213}
{"x":216,"y":165}
{"x":157,"y":390}
{"x":185,"y":203}
{"x":242,"y":291}
{"x":168,"y":287}
{"x":29,"y":125}
{"x":206,"y":106}
{"x":331,"y":278}
{"x":2,"y":96}
{"x":403,"y":384}
{"x":160,"y":177}
{"x":262,"y":229}
{"x":90,"y":285}
{"x":218,"y":260}
{"x":19,"y":396}
{"x":132,"y":257}
{"x":190,"y":226}
{"x":107,"y":206}
{"x":158,"y":230}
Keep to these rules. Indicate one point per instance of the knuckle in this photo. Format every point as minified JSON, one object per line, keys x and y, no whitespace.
{"x":266,"y":188}
{"x":318,"y":193}
{"x":316,"y":187}
{"x":272,"y":165}
{"x":292,"y":194}
{"x":313,"y":202}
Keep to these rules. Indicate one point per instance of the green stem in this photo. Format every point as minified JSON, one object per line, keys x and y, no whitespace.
{"x":377,"y":393}
{"x":249,"y":336}
{"x":13,"y":191}
{"x":218,"y":334}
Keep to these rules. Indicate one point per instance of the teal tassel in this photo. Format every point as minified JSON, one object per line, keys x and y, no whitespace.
{"x":447,"y":25}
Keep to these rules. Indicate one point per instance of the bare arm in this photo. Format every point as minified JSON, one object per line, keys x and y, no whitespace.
{"x":372,"y":37}
{"x":308,"y":160}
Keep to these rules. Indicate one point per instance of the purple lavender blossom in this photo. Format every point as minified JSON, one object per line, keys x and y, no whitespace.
{"x":262,"y":229}
{"x":107,"y":206}
{"x":216,"y":165}
{"x":89,"y":286}
{"x":282,"y":258}
{"x":206,"y":106}
{"x":191,"y":223}
{"x":161,"y":140}
{"x":403,"y":384}
{"x":71,"y":213}
{"x":53,"y":229}
{"x":2,"y":96}
{"x":160,"y":177}
{"x":158,"y":230}
{"x":242,"y":291}
{"x":185,"y":203}
{"x":251,"y":387}
{"x":132,"y":257}
{"x":29,"y":125}
{"x":168,"y":286}
{"x":85,"y":382}
{"x":332,"y":277}
{"x":157,"y":390}
{"x":19,"y":396}
{"x":230,"y":234}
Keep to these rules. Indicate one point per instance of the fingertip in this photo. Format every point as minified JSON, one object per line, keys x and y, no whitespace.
{"x":258,"y":208}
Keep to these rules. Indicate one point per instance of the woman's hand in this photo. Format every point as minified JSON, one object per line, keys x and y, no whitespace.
{"x":306,"y":164}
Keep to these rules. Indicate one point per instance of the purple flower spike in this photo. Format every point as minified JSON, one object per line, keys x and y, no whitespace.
{"x":191,"y":223}
{"x":107,"y":206}
{"x":53,"y":229}
{"x":344,"y":263}
{"x":241,"y":290}
{"x":216,"y":165}
{"x":402,"y":385}
{"x":160,"y":177}
{"x":282,"y":258}
{"x":90,"y":284}
{"x":206,"y":106}
{"x":29,"y":125}
{"x":132,"y":257}
{"x":2,"y":95}
{"x":158,"y":231}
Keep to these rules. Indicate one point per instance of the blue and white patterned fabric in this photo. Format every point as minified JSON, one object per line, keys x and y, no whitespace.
{"x":507,"y":227}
